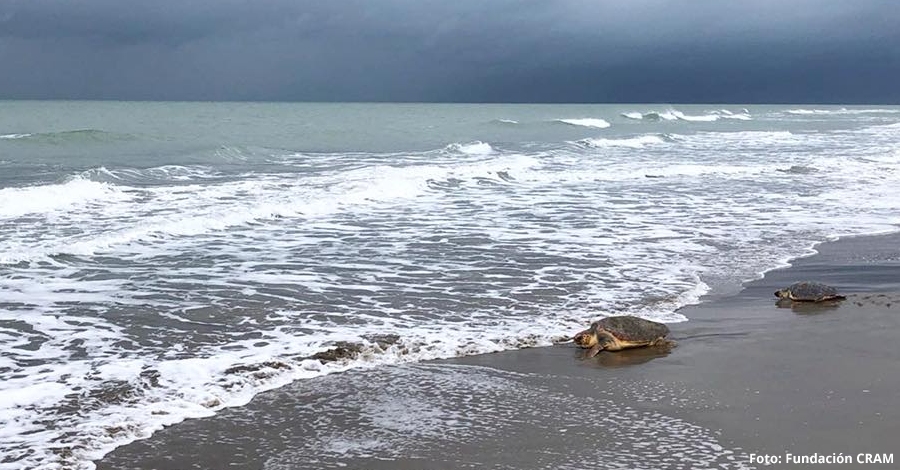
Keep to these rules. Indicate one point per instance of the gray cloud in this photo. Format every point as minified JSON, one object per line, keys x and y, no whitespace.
{"x":463,"y":50}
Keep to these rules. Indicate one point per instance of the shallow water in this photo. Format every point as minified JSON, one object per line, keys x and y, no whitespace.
{"x":147,"y":249}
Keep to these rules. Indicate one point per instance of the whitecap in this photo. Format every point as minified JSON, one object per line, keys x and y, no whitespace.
{"x":586,"y":122}
{"x":472,"y":148}
{"x":694,"y":118}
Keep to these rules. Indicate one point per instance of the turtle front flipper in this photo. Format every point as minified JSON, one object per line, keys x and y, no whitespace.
{"x":594,"y":350}
{"x":604,"y":341}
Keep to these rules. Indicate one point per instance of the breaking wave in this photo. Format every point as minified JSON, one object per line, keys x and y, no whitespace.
{"x":632,"y":142}
{"x":472,"y":148}
{"x":41,"y":199}
{"x":586,"y":122}
{"x":676,"y":115}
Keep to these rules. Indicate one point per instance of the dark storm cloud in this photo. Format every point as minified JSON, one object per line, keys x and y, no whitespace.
{"x":463,"y":50}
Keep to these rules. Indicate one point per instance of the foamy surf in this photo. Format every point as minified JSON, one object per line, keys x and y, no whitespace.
{"x":132,"y":399}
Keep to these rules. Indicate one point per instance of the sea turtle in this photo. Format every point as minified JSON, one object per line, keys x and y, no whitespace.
{"x":808,"y":292}
{"x":622,"y":332}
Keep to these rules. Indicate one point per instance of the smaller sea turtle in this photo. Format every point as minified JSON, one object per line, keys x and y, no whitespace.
{"x":809,"y":292}
{"x":622,"y":332}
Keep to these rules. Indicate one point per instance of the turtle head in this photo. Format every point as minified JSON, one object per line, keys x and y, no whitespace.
{"x":783,"y":293}
{"x":586,"y":338}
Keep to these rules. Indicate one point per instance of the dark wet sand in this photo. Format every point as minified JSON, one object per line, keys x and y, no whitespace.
{"x":747,"y":378}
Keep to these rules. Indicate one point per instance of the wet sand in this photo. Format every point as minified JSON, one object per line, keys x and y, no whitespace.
{"x":747,"y":377}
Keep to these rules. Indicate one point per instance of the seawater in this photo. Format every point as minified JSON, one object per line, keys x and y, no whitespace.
{"x":161,"y":261}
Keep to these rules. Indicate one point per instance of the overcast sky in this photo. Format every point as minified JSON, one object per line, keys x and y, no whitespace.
{"x":740,"y":51}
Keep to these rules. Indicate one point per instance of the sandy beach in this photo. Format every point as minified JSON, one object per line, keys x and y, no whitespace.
{"x":748,"y":383}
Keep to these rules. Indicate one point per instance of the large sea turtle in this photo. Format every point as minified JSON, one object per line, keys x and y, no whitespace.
{"x":808,"y":292}
{"x":622,"y":332}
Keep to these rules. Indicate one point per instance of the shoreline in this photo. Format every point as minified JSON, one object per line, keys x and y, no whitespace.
{"x":746,"y":378}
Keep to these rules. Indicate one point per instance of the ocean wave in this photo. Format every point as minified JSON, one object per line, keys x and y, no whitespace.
{"x":674,"y":114}
{"x":695,"y":118}
{"x":505,"y":121}
{"x":702,"y":139}
{"x":743,"y":115}
{"x":69,"y":137}
{"x":472,"y":148}
{"x":16,"y":202}
{"x":851,"y":111}
{"x":158,"y":213}
{"x":153,"y":175}
{"x":632,"y":142}
{"x":747,"y":139}
{"x":586,"y":122}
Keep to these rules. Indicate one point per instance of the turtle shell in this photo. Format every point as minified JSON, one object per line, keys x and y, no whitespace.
{"x":629,"y":328}
{"x":812,"y":291}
